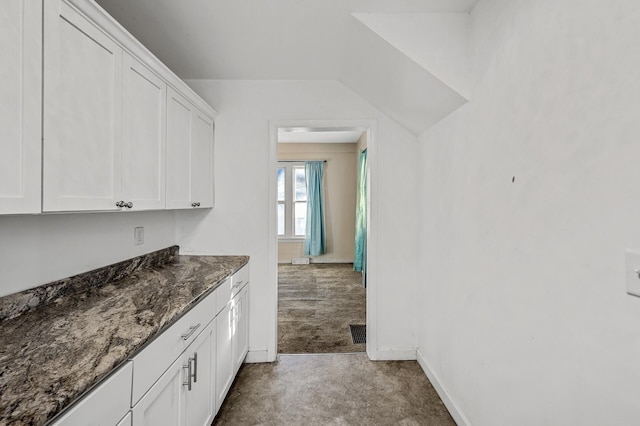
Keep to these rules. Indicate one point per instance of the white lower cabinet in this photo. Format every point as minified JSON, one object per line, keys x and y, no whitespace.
{"x":182,"y":377}
{"x":183,"y":394}
{"x":240,"y":341}
{"x":224,"y":360}
{"x":233,"y":338}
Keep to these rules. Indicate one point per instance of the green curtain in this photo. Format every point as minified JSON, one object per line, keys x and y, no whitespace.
{"x":360,"y":256}
{"x":314,"y":244}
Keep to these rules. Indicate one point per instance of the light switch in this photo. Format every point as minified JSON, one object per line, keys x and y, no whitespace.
{"x":632,"y":258}
{"x":138,"y":235}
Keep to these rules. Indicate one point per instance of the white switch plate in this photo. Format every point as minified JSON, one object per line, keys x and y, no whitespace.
{"x":632,"y":260}
{"x":138,"y":235}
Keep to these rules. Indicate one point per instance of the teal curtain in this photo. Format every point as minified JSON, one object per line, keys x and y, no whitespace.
{"x":360,"y":256}
{"x":314,"y":244}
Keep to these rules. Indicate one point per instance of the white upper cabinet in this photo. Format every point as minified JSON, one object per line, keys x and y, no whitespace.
{"x":82,"y":113}
{"x":20,"y":106}
{"x":87,"y":118}
{"x":189,"y":154}
{"x":144,"y":137}
{"x":202,"y":160}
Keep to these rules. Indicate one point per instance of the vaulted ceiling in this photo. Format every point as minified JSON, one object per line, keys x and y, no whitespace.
{"x":406,"y":57}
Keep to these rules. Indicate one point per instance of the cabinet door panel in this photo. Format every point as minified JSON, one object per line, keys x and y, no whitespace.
{"x":200,"y":404}
{"x":163,"y":404}
{"x":179,"y":112}
{"x":241,"y":337}
{"x":82,"y":113}
{"x":224,"y":361}
{"x":202,"y":160}
{"x":20,"y":106}
{"x":143,"y":150}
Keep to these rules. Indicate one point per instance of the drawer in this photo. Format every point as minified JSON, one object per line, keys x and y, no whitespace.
{"x":223,"y":295}
{"x":104,"y":405}
{"x":239,"y":280}
{"x":154,"y":360}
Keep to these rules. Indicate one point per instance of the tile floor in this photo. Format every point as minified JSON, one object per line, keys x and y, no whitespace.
{"x":332,"y":389}
{"x":316,"y":304}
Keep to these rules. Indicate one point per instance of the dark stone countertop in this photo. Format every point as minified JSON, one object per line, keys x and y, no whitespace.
{"x":59,"y":340}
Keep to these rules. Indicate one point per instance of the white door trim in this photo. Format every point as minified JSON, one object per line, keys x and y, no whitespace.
{"x":371,"y":127}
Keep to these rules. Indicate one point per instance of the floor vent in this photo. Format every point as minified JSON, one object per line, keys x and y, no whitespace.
{"x":300,"y":261}
{"x":358,"y":333}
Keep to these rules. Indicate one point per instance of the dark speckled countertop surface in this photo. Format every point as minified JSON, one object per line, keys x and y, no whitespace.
{"x":58,"y":340}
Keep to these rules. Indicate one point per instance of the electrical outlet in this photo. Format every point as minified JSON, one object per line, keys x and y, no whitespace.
{"x":138,"y":235}
{"x":632,"y":271}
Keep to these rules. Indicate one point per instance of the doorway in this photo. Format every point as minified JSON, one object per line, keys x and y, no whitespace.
{"x":321,"y":300}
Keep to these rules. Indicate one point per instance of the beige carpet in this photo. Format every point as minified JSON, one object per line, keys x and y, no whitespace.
{"x":316,"y":304}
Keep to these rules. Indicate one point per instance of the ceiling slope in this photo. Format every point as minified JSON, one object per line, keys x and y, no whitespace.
{"x":395,"y":83}
{"x":405,"y":57}
{"x":436,"y":41}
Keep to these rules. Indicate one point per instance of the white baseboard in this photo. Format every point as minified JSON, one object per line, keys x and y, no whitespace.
{"x":254,"y":357}
{"x":456,"y":413}
{"x":393,"y":355}
{"x":288,"y":262}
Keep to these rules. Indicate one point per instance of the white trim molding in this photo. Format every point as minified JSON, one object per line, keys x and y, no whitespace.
{"x":454,"y":410}
{"x":254,"y":357}
{"x":393,"y":355}
{"x":371,"y":127}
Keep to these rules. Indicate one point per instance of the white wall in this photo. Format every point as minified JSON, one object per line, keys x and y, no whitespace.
{"x":240,"y":222}
{"x":523,"y":314}
{"x":36,"y":250}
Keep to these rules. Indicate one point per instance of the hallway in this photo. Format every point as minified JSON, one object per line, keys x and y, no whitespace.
{"x":332,"y":389}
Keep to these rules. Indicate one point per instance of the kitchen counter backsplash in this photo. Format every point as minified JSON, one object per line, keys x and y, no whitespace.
{"x":15,"y":304}
{"x":59,"y":340}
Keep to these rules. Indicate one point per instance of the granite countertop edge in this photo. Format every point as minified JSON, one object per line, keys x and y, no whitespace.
{"x":78,"y":333}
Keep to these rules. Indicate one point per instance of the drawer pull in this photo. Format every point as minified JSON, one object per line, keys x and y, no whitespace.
{"x":192,"y":330}
{"x":238,"y":284}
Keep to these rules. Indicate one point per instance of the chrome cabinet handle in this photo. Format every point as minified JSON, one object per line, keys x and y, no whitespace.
{"x":188,"y":367}
{"x":191,"y":372}
{"x":192,"y":330}
{"x":195,"y":204}
{"x":121,"y":204}
{"x":195,"y":367}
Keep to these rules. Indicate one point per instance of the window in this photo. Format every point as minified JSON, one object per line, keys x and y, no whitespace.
{"x":292,"y":200}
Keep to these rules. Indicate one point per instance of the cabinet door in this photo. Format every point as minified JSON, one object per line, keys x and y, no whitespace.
{"x":189,"y":154}
{"x":143,"y":136}
{"x":240,"y":341}
{"x":20,"y":105}
{"x":82,"y":113}
{"x":163,"y":404}
{"x":200,"y":404}
{"x":202,"y":160}
{"x":179,"y":112}
{"x":224,"y":360}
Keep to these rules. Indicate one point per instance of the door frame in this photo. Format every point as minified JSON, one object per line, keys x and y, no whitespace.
{"x":371,"y":127}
